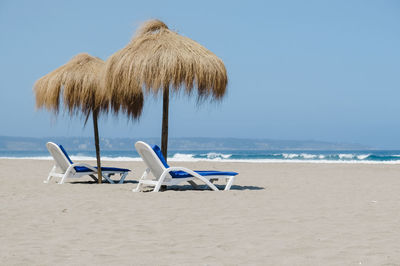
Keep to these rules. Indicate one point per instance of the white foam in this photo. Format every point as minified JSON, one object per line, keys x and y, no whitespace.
{"x":308,"y":156}
{"x":191,"y":159}
{"x":290,"y":155}
{"x":82,"y":158}
{"x":214,"y":155}
{"x":362,"y":156}
{"x":301,"y":156}
{"x":301,"y":161}
{"x":346,"y":156}
{"x":182,"y":157}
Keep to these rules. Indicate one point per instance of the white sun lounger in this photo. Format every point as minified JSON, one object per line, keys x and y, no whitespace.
{"x":166,"y":175}
{"x":65,"y":168}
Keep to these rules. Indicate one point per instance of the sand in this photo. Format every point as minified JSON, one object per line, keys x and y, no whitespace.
{"x":275,"y":214}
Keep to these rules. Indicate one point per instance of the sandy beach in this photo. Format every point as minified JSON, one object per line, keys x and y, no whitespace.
{"x":275,"y":214}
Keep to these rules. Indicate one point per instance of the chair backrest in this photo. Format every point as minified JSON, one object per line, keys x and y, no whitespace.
{"x":60,"y":156}
{"x":150,"y":158}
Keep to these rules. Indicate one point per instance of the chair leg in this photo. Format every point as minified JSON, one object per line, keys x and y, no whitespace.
{"x":66,"y":175}
{"x":63,"y":178}
{"x":193,"y":184}
{"x":50,"y":175}
{"x":94,"y":178}
{"x":144,"y":175}
{"x":48,"y":179}
{"x":138,"y":187}
{"x":160,"y":182}
{"x":157,"y":187}
{"x":123,"y":175}
{"x":107,"y":177}
{"x":229,"y":183}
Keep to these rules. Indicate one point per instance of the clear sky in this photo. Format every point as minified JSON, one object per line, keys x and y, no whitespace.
{"x":299,"y":70}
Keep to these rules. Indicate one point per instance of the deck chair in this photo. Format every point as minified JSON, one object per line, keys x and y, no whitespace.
{"x":166,"y":175}
{"x":65,"y":168}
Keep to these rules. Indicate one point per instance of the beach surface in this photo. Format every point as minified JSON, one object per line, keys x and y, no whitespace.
{"x":275,"y":214}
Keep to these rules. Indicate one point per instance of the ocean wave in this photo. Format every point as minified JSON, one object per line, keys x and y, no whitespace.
{"x":386,"y":157}
{"x":184,"y":158}
{"x":215,"y":155}
{"x":363,"y":156}
{"x":178,"y":157}
{"x":346,"y":156}
{"x":310,"y":161}
{"x":289,"y":156}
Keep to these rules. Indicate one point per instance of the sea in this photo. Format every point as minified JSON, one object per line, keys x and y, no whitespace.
{"x":254,"y":156}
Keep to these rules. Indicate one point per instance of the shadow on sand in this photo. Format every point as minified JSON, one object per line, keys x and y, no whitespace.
{"x":205,"y":187}
{"x":104,"y":182}
{"x":177,"y":188}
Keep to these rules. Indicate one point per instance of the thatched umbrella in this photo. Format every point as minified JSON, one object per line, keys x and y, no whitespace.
{"x":77,"y":83}
{"x":159,"y":60}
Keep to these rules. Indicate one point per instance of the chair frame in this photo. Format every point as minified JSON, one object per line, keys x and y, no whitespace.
{"x":64,"y":169}
{"x":162,"y":176}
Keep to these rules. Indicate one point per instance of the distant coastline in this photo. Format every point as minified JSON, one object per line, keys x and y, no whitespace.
{"x":9,"y":143}
{"x":203,"y":149}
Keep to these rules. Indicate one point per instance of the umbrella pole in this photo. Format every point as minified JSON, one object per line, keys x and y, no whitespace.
{"x":164,"y":133}
{"x":96,"y":141}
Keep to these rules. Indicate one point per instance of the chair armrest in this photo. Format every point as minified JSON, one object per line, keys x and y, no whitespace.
{"x":191,"y":172}
{"x":85,"y":165}
{"x":184,"y":169}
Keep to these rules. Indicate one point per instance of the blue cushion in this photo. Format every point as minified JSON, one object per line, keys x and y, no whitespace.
{"x":182,"y":174}
{"x":81,"y":169}
{"x":157,"y":150}
{"x":65,"y":153}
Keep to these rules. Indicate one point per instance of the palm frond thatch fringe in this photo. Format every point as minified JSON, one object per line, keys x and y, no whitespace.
{"x":158,"y":58}
{"x":78,"y":83}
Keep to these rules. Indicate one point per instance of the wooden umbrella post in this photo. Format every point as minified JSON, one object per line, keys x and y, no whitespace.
{"x":164,"y":133}
{"x":96,"y":140}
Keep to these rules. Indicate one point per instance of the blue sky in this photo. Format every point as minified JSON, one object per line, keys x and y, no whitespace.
{"x":300,"y":70}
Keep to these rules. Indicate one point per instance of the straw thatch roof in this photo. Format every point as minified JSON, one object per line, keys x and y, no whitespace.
{"x":158,"y":58}
{"x":77,"y":84}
